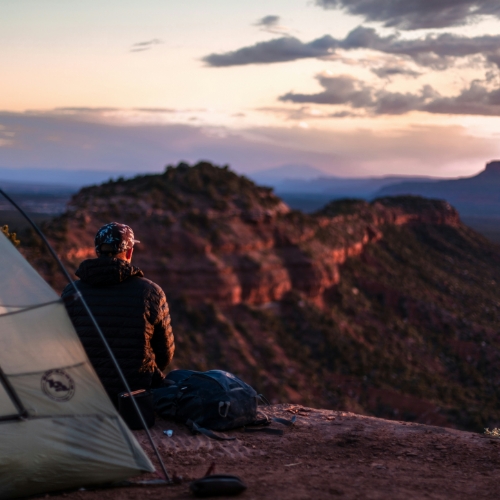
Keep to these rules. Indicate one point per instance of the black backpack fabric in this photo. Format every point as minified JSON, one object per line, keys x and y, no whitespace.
{"x":215,"y":400}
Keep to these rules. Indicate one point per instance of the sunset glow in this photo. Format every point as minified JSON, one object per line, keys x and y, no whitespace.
{"x":130,"y":87}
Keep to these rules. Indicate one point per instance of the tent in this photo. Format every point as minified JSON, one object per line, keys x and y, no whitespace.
{"x":58,"y":428}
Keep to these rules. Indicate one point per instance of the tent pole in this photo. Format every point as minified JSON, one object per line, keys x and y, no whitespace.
{"x":97,"y":327}
{"x":22,"y":412}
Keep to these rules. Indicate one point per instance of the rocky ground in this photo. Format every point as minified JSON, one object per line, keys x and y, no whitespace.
{"x":327,"y":454}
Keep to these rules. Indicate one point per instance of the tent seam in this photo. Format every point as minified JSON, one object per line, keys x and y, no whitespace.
{"x":29,"y":308}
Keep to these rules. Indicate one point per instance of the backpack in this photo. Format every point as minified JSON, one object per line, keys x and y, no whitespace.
{"x":215,"y":400}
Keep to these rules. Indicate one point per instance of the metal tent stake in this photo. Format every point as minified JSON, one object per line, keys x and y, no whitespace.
{"x":97,"y":327}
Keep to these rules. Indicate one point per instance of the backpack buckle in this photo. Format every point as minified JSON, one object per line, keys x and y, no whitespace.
{"x":221,"y":405}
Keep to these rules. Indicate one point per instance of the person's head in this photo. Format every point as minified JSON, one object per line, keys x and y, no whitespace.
{"x":115,"y":240}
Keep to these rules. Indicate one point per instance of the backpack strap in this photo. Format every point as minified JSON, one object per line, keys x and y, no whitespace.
{"x":262,"y":399}
{"x":262,"y":419}
{"x":196,"y":429}
{"x":267,"y":420}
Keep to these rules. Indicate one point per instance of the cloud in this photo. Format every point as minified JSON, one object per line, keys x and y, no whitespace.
{"x":82,"y":109}
{"x":144,"y":115}
{"x":348,"y":91}
{"x":101,"y":110}
{"x":156,"y":110}
{"x":366,"y":38}
{"x":417,"y":14}
{"x":306,"y":113}
{"x":394,"y":151}
{"x":268,"y":21}
{"x":436,"y":51}
{"x":147,"y":45}
{"x":337,"y":90}
{"x":398,"y":103}
{"x":90,"y":142}
{"x":389,"y":70}
{"x":277,"y":50}
{"x":87,"y":145}
{"x":271,"y":24}
{"x":477,"y":99}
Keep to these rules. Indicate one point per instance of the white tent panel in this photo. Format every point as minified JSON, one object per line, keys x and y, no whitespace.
{"x":73,"y":435}
{"x":7,"y":407}
{"x":68,"y":391}
{"x":4,"y":309}
{"x":39,"y":339}
{"x":21,"y":286}
{"x":54,"y":454}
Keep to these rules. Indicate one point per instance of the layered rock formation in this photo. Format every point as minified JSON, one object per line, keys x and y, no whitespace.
{"x":388,"y":308}
{"x":238,"y":244}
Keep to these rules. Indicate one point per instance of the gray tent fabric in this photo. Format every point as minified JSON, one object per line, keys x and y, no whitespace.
{"x":58,"y":428}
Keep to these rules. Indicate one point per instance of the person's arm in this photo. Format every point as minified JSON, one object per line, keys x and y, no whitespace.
{"x":162,"y":341}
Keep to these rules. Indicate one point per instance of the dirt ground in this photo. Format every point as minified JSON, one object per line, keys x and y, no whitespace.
{"x":326,"y":454}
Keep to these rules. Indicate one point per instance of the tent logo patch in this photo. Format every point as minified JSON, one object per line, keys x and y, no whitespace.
{"x":58,"y":385}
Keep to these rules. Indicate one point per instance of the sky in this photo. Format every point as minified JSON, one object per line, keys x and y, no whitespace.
{"x":350,"y":87}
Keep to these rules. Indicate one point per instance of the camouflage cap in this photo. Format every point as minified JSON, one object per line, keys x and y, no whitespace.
{"x":118,"y":236}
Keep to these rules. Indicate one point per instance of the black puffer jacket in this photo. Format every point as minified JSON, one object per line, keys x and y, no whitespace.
{"x":134,"y":317}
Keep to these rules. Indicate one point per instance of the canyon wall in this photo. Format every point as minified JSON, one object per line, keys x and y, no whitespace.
{"x":253,"y":255}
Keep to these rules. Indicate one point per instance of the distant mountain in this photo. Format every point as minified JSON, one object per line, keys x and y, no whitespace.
{"x":46,"y":191}
{"x":306,"y":179}
{"x":312,"y":194}
{"x":347,"y":187}
{"x":471,"y":196}
{"x":277,"y":175}
{"x":35,"y":198}
{"x":37,"y":188}
{"x":57,"y":176}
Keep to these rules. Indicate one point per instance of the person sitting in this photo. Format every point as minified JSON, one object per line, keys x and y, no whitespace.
{"x":131,"y":310}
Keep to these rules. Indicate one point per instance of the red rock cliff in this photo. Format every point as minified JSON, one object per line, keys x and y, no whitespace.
{"x":208,"y":234}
